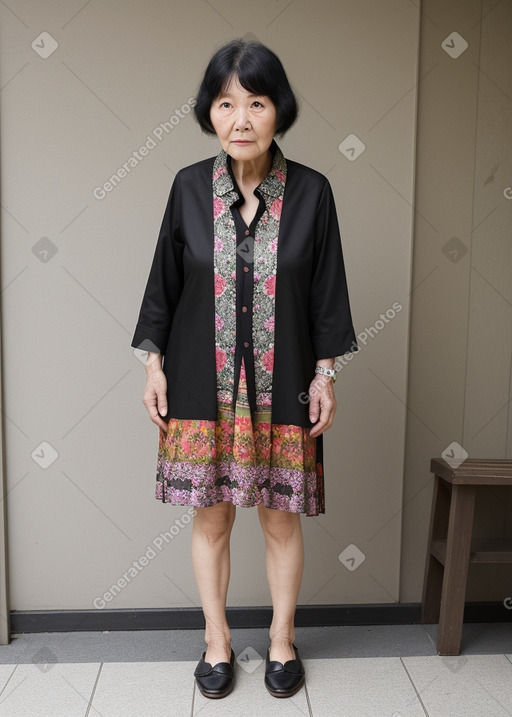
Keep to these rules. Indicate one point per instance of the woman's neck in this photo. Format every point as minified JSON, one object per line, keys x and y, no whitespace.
{"x":252,"y":171}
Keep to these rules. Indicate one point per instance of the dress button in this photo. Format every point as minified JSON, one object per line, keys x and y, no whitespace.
{"x":244,"y":309}
{"x":246,"y":268}
{"x":247,"y":232}
{"x":246,"y":344}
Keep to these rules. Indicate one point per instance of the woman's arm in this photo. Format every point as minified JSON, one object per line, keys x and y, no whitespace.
{"x":331,"y":320}
{"x":162,"y":293}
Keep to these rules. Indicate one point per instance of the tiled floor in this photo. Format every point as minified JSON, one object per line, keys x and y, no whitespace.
{"x":366,"y":671}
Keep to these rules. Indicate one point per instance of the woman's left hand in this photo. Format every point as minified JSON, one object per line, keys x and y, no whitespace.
{"x":322,"y":404}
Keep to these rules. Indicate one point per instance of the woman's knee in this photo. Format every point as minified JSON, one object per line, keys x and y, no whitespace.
{"x":215,"y":522}
{"x":279,"y":525}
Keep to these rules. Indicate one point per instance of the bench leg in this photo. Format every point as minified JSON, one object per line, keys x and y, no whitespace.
{"x":458,"y":548}
{"x":434,"y":570}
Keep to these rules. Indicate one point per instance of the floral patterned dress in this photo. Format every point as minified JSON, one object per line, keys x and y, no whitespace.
{"x":243,"y":457}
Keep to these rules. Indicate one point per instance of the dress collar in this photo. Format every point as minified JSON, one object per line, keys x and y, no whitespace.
{"x":272,"y":185}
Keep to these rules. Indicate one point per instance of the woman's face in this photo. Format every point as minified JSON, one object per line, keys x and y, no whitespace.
{"x":245,"y":123}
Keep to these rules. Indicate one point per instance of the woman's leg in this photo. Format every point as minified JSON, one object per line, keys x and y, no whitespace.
{"x":211,"y":560}
{"x":285,"y":562}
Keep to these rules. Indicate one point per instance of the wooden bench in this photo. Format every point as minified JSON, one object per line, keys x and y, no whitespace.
{"x":450,"y":548}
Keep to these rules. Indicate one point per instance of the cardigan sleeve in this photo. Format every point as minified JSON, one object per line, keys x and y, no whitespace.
{"x":165,"y":281}
{"x":332,"y":332}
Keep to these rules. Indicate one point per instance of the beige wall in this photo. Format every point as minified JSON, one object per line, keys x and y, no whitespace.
{"x":71,"y":379}
{"x":69,"y":122}
{"x":461,"y":328}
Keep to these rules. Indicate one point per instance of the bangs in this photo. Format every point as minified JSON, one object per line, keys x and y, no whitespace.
{"x":250,"y":79}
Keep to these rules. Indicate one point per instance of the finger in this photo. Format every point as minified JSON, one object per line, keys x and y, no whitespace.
{"x":162,"y":424}
{"x":330,"y":410}
{"x":317,"y":429}
{"x":156,"y":418}
{"x":314,"y":407}
{"x":325,"y":420}
{"x":151,"y":407}
{"x":162,"y":404}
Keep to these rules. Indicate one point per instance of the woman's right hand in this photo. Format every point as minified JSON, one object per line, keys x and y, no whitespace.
{"x":155,"y":392}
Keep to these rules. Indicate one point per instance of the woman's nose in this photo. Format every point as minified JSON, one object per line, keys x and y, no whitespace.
{"x":241,"y":119}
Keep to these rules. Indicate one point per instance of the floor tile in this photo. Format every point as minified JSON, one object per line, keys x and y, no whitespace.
{"x":361,"y":687}
{"x":49,"y":690}
{"x":463,"y":686}
{"x":137,"y":689}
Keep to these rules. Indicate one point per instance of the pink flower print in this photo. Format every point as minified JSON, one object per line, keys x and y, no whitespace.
{"x":270,"y":285}
{"x":268,"y":360}
{"x":265,"y":452}
{"x":185,"y":445}
{"x":257,"y":276}
{"x":219,"y":322}
{"x":218,"y":244}
{"x":220,"y":358}
{"x":276,"y":445}
{"x":218,"y":207}
{"x":243,"y":452}
{"x":243,"y":424}
{"x":220,"y":285}
{"x":275,"y":209}
{"x":280,"y":176}
{"x":269,"y":324}
{"x":273,"y":245}
{"x":202,"y":449}
{"x":219,"y":172}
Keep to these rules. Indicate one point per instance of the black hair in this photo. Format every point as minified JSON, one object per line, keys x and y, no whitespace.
{"x":259,"y":70}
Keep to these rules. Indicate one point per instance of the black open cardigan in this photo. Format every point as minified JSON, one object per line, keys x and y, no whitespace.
{"x":312,"y":311}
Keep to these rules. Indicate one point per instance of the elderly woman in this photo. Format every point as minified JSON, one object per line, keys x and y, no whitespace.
{"x":247,"y":305}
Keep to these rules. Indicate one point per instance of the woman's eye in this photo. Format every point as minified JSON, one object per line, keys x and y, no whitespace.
{"x":225,"y":104}
{"x":257,"y":104}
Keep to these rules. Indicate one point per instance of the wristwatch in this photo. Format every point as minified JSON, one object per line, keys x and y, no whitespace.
{"x":331,"y":372}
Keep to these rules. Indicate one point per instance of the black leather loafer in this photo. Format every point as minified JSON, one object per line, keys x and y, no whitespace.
{"x":284,"y":680}
{"x":217,"y":680}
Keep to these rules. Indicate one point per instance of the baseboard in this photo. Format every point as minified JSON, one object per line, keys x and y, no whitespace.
{"x":25,"y":621}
